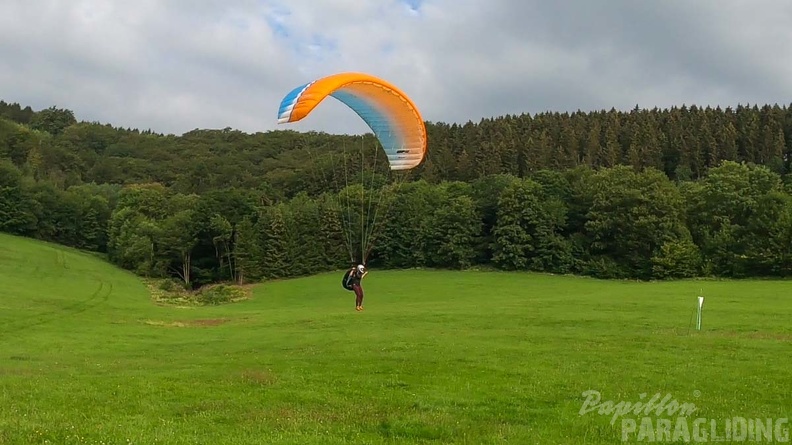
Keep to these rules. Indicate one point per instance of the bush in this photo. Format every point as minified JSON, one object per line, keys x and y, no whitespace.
{"x":170,"y":286}
{"x":173,"y":292}
{"x":219,"y":294}
{"x":677,"y":259}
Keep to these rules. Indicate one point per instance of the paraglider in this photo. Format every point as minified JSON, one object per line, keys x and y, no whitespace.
{"x":390,"y":114}
{"x":352,"y":281}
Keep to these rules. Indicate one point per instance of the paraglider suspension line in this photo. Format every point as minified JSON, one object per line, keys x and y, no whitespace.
{"x":366,"y":244}
{"x":319,"y":172}
{"x":363,"y":216}
{"x":401,"y":177}
{"x":348,"y":234}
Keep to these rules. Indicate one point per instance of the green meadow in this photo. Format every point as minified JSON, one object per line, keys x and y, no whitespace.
{"x":475,"y":357}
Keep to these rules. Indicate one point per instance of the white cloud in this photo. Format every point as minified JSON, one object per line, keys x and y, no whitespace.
{"x":174,"y":65}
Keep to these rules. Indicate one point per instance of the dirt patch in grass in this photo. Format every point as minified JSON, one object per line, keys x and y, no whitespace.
{"x":188,"y":323}
{"x":258,"y":377}
{"x":210,"y":322}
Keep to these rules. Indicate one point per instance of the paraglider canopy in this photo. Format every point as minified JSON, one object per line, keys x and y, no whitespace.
{"x":391,"y":115}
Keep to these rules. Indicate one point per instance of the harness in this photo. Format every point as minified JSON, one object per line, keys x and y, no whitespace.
{"x":346,"y":282}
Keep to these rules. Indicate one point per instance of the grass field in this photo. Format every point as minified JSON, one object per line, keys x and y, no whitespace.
{"x":436,"y":357}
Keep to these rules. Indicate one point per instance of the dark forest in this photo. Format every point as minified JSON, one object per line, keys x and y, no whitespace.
{"x":640,"y":194}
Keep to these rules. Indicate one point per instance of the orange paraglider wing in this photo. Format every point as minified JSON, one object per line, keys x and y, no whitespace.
{"x":391,"y":115}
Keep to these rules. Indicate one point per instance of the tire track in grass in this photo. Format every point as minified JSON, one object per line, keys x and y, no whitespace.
{"x":20,"y":266}
{"x":60,"y":261}
{"x":96,"y":299}
{"x":58,"y":266}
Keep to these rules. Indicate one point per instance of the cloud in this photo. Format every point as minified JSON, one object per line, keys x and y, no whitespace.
{"x":173,"y":66}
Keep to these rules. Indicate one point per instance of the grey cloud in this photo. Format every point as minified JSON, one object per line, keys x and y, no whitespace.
{"x":174,"y":66}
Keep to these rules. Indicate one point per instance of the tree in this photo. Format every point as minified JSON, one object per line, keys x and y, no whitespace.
{"x":53,"y":120}
{"x":223,"y":232}
{"x":247,"y":252}
{"x":303,"y":235}
{"x":528,"y":232}
{"x":275,"y":261}
{"x":178,"y":237}
{"x":15,"y":205}
{"x":632,"y":215}
{"x":132,"y":239}
{"x":332,"y":242}
{"x":720,"y":211}
{"x":519,"y":213}
{"x":678,"y":258}
{"x":403,"y":235}
{"x":769,"y":231}
{"x":485,"y":192}
{"x":454,"y":228}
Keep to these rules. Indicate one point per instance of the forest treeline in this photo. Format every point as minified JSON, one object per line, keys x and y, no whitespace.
{"x":643,"y":194}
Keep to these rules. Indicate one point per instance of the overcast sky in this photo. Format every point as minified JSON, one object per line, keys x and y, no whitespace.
{"x":176,"y":65}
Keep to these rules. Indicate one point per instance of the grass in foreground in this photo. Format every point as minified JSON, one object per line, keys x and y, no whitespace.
{"x":449,"y":357}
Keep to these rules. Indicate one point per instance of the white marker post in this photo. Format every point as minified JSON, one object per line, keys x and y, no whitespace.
{"x":698,"y":316}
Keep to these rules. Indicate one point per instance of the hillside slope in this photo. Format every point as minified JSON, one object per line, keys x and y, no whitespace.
{"x":46,"y":287}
